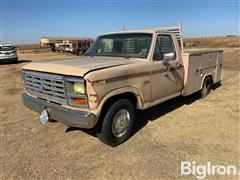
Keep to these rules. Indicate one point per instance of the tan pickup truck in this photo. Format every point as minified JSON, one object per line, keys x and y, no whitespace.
{"x":121,"y":72}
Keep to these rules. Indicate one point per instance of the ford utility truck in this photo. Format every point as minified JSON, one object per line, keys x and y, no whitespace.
{"x":121,"y":72}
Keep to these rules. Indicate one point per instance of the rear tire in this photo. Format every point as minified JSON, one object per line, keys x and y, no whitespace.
{"x":117,"y":123}
{"x":206,"y":88}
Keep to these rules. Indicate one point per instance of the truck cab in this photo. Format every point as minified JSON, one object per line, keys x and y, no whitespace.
{"x":121,"y":72}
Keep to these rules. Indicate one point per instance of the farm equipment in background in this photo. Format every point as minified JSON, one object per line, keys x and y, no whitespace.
{"x":76,"y":46}
{"x":64,"y":47}
{"x":80,"y":46}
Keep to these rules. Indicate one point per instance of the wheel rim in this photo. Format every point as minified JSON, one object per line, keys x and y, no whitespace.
{"x":120,"y":123}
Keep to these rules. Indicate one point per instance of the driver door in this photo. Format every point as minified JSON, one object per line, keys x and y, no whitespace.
{"x":167,"y":72}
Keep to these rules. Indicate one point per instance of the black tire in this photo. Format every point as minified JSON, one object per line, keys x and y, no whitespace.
{"x":206,"y":88}
{"x":106,"y":135}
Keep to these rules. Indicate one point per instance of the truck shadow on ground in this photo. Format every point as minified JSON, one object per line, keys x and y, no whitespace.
{"x":151,"y":114}
{"x":17,"y":62}
{"x":22,"y":61}
{"x":154,"y":113}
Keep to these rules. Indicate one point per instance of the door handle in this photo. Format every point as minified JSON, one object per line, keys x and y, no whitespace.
{"x":178,"y":65}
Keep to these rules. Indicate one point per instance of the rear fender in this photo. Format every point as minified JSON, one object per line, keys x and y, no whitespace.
{"x":204,"y":77}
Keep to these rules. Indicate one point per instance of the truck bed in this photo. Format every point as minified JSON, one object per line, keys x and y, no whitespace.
{"x":198,"y":65}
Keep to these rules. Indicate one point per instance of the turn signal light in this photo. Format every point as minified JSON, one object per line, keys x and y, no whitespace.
{"x":80,"y":101}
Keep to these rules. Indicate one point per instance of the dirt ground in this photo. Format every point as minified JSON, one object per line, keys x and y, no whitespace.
{"x":182,"y":129}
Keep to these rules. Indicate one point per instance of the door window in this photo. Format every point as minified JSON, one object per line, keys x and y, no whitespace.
{"x":164,"y":47}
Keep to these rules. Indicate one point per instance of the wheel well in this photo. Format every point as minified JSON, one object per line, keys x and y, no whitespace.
{"x":130,"y":96}
{"x":208,"y":76}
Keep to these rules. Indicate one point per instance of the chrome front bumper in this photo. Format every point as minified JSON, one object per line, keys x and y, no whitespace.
{"x":72,"y":118}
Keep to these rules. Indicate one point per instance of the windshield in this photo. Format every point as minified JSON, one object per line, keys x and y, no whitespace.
{"x":6,"y":48}
{"x":131,"y":45}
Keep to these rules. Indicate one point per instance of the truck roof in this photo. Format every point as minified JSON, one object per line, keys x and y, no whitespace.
{"x":176,"y":30}
{"x":150,"y":31}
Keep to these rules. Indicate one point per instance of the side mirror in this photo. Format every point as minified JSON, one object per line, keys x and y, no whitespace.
{"x":168,"y":56}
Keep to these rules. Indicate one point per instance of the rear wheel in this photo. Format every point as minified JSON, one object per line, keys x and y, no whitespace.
{"x":117,"y":123}
{"x":206,"y":88}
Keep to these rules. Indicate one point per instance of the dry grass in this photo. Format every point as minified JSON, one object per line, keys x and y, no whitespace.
{"x":214,"y":41}
{"x":29,"y":55}
{"x":183,"y":129}
{"x":27,"y":46}
{"x":232,"y":59}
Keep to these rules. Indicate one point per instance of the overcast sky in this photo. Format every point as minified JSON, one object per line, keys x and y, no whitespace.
{"x":27,"y":21}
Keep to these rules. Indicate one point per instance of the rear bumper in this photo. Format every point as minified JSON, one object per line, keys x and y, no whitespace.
{"x":72,"y":118}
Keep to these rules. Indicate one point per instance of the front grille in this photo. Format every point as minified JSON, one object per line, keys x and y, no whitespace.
{"x":46,"y":86}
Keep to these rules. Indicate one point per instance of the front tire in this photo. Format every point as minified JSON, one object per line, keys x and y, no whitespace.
{"x":117,"y":123}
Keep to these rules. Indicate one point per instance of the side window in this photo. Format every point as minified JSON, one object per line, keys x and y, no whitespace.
{"x":164,"y":47}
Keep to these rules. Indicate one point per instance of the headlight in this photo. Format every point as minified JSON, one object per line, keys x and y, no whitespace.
{"x":79,"y":88}
{"x":75,"y":89}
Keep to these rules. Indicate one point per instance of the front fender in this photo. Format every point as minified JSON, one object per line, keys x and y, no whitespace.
{"x":120,"y":91}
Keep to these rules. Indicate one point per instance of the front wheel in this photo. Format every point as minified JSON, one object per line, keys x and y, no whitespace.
{"x":117,"y":123}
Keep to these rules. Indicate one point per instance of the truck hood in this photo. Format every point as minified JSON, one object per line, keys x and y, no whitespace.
{"x":79,"y":66}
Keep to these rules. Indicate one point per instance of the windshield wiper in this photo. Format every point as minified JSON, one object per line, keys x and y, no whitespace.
{"x":128,"y":57}
{"x":123,"y":56}
{"x":90,"y":54}
{"x":108,"y":55}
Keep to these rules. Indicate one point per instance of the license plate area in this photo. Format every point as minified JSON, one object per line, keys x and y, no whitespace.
{"x":44,"y":117}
